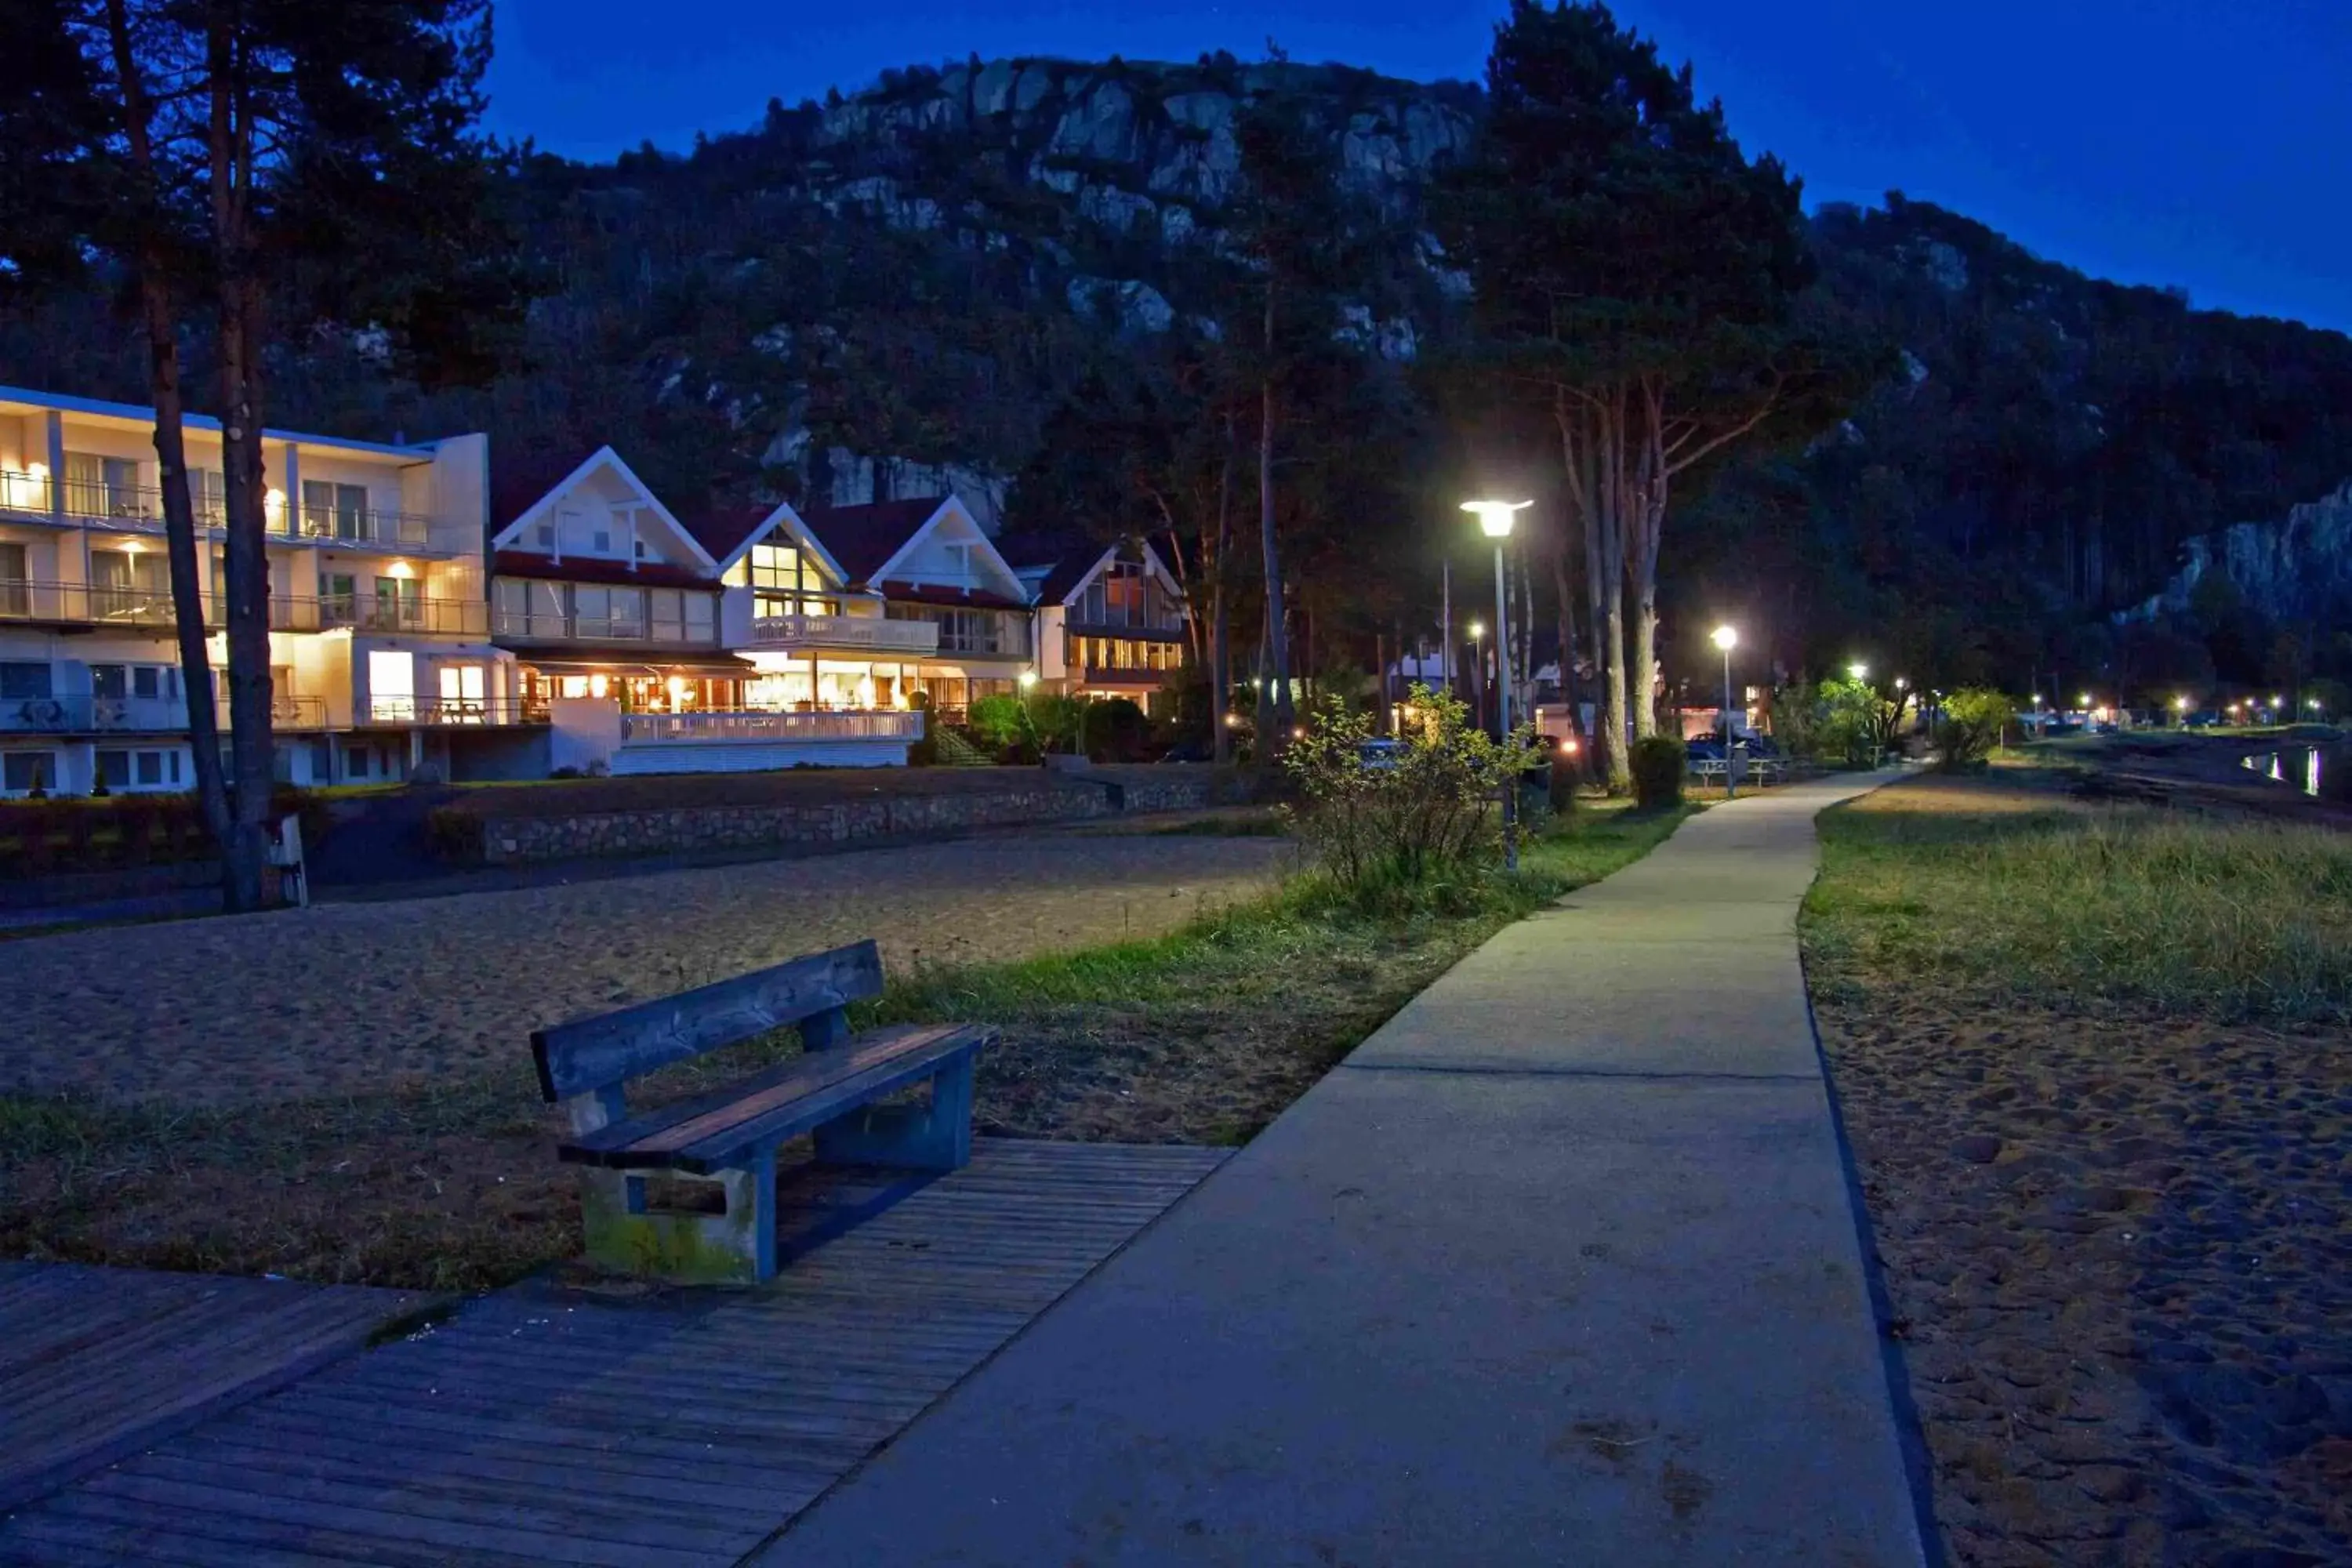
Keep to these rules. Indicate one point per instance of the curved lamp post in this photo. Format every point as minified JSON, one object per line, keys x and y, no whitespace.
{"x":1495,"y":519}
{"x":1727,"y":638}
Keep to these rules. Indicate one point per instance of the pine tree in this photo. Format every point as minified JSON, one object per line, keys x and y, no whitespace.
{"x":263,"y":168}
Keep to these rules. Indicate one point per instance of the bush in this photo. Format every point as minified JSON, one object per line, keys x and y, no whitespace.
{"x":925,"y":752}
{"x":1566,"y":773}
{"x":998,"y":721}
{"x":1054,"y":720}
{"x":1972,"y":725}
{"x":1376,"y":831}
{"x":1659,"y":763}
{"x":1114,"y":731}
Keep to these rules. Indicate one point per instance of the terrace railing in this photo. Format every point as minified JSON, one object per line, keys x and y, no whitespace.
{"x":772,"y":726}
{"x":860,"y":632}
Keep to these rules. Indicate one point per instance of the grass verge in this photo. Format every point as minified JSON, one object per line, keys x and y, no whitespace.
{"x":1201,"y":1036}
{"x":2018,"y":893}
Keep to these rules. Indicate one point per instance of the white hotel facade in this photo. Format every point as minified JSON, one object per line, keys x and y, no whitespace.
{"x":430,"y":617}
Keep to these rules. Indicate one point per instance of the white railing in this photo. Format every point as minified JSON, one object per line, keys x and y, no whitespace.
{"x":845,"y":631}
{"x":772,"y":726}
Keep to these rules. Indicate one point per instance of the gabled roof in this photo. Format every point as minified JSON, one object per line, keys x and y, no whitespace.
{"x":520,"y":483}
{"x":862,"y":540}
{"x":513,"y":506}
{"x":1063,"y":570}
{"x":729,"y":534}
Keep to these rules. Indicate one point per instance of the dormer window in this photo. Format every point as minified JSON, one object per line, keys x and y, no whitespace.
{"x":546,"y":535}
{"x":604,"y":541}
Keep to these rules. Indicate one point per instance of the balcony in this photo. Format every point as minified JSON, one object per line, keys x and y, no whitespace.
{"x":563,"y":625}
{"x":139,"y":715}
{"x":448,"y":711}
{"x":863,"y":634}
{"x":643,"y":728}
{"x":77,"y":604}
{"x":140,"y":507}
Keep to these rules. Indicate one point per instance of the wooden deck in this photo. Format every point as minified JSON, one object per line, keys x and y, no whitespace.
{"x":97,"y":1363}
{"x":541,"y":1426}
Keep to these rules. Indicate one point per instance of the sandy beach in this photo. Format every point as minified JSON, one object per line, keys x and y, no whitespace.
{"x":347,"y":997}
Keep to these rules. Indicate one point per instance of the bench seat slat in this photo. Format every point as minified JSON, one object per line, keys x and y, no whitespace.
{"x":712,"y":1132}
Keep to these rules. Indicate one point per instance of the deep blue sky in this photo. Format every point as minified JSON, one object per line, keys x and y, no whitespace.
{"x":2206,"y":143}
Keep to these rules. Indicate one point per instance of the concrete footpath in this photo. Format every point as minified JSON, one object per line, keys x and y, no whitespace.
{"x":1558,"y":1268}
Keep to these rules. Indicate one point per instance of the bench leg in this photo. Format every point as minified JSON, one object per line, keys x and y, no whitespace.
{"x":738,"y":1246}
{"x":934,"y":1137}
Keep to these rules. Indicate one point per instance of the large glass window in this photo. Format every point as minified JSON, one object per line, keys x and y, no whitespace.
{"x":16,"y":587}
{"x":785,"y":581}
{"x":24,"y":770}
{"x":331,"y":510}
{"x":22,"y":682}
{"x":124,"y":587}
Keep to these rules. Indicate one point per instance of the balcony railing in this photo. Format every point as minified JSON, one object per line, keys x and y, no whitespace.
{"x":286,"y":713}
{"x":638,"y":728}
{"x":560,"y":626}
{"x":862,"y":632}
{"x":438,"y":711}
{"x":76,"y":603}
{"x":101,"y":502}
{"x":80,"y":715}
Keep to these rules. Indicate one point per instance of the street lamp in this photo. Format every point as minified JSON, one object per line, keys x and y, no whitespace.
{"x":1727,"y":638}
{"x":1028,"y":679}
{"x":1495,"y":519}
{"x":1857,"y":671}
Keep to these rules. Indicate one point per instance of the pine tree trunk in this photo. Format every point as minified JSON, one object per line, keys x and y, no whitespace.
{"x":1277,"y":624}
{"x":172,"y":449}
{"x":1564,"y":589}
{"x":243,"y":484}
{"x":1646,"y":658}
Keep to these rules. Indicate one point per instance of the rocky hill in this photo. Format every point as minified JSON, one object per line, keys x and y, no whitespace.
{"x":894,"y":290}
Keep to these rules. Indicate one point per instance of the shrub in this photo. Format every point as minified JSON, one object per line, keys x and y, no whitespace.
{"x":925,"y":752}
{"x":1114,"y":731}
{"x":1566,"y":773}
{"x":1972,"y":725}
{"x":1659,"y":763}
{"x":998,"y":721}
{"x":1054,"y":720}
{"x":1428,"y":812}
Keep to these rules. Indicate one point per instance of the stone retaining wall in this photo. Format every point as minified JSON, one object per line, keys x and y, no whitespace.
{"x":511,"y":841}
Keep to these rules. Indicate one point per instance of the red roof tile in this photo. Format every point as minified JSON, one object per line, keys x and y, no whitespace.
{"x":864,"y":537}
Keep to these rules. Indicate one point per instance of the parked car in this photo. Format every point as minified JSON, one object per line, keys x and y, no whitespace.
{"x":1380,"y":755}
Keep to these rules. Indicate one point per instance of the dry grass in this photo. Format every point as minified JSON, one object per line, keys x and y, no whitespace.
{"x":1201,"y":1036}
{"x":2018,"y":892}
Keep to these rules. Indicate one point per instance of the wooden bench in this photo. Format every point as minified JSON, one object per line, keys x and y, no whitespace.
{"x":723,"y":1145}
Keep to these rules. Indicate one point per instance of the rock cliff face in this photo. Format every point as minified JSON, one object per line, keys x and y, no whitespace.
{"x":2299,"y":569}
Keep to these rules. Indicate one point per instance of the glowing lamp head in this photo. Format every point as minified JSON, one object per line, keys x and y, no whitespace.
{"x":1727,"y":638}
{"x":1568,"y":747}
{"x":1494,"y":517}
{"x":2181,"y":703}
{"x":1028,"y":679}
{"x":1477,"y":630}
{"x":1857,"y":671}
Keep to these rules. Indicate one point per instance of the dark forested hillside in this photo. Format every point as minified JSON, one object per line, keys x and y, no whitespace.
{"x":903,"y":289}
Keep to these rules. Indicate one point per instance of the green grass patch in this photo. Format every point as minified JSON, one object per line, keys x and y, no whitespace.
{"x":2045,"y":900}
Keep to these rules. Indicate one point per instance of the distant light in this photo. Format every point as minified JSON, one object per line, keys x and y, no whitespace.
{"x":2274,"y":701}
{"x":1900,"y":682}
{"x":402,"y":569}
{"x":1568,"y":747}
{"x":1477,"y":630}
{"x":2086,"y":700}
{"x":2181,"y":703}
{"x":130,"y":547}
{"x":1857,"y":671}
{"x":1298,"y":731}
{"x":1494,"y":517}
{"x":1232,"y":720}
{"x":1726,"y":637}
{"x":1028,"y":678}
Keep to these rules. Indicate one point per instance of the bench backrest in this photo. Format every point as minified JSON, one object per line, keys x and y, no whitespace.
{"x":592,"y":1054}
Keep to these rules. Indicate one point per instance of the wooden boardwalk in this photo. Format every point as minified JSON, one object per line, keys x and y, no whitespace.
{"x":97,"y":1363}
{"x":539,"y":1426}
